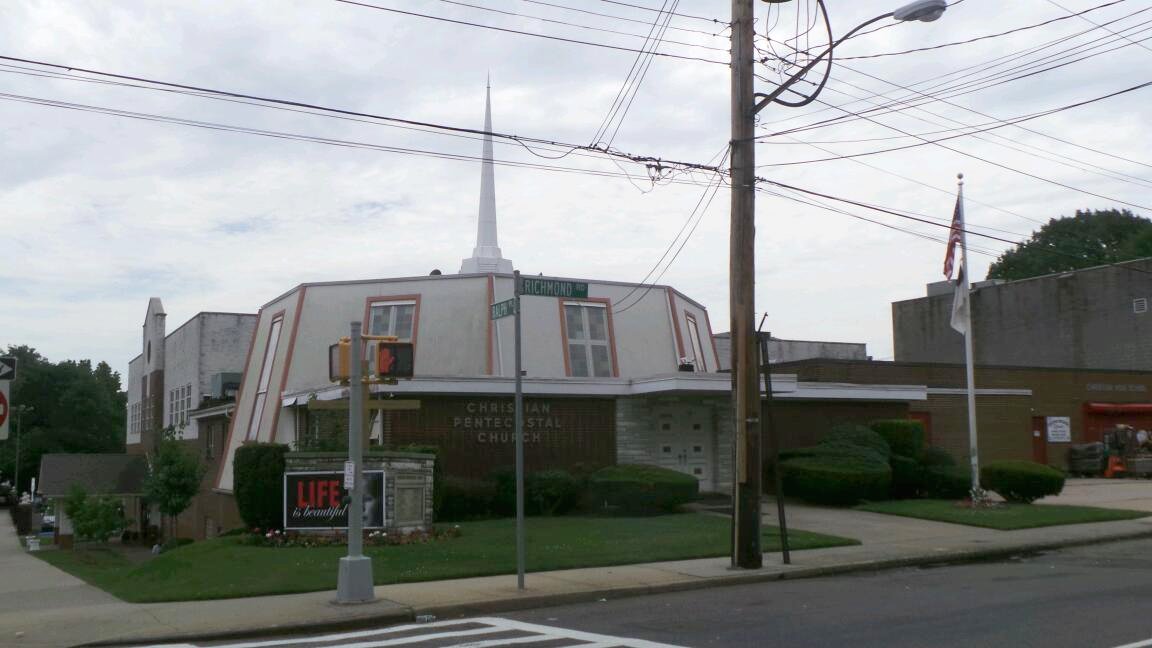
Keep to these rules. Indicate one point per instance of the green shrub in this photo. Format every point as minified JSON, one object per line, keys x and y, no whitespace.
{"x":905,"y":437}
{"x":174,"y":543}
{"x":836,"y":480}
{"x":95,"y":518}
{"x":1021,"y":481}
{"x":437,"y":474}
{"x":642,"y":489}
{"x":503,"y":484}
{"x":465,"y":499}
{"x":907,"y":477}
{"x":947,"y":482}
{"x":258,"y":484}
{"x":933,"y":456}
{"x":551,"y":492}
{"x":857,"y":435}
{"x":835,"y":449}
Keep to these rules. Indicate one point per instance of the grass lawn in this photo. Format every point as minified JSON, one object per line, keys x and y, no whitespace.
{"x":1008,"y":517}
{"x":225,"y":568}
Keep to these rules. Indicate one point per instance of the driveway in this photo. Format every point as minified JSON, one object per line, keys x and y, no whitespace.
{"x":1135,"y":494}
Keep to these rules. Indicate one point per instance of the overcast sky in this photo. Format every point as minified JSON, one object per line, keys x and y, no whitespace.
{"x":101,"y":212}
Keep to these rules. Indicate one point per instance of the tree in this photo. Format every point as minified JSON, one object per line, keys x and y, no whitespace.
{"x":95,"y":518}
{"x":174,"y":476}
{"x":1090,"y":238}
{"x":75,"y":408}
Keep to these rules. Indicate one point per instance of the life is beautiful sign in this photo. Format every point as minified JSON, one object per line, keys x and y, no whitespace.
{"x":318,"y":500}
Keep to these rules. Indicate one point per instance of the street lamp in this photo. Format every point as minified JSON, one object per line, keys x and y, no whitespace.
{"x":20,"y":409}
{"x":742,"y":256}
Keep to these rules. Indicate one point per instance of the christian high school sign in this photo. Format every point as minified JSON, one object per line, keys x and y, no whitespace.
{"x":318,"y":500}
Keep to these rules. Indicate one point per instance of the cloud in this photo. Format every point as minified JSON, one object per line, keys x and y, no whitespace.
{"x":101,"y":213}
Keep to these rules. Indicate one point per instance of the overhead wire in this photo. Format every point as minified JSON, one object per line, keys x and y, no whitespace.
{"x":1081,"y":16}
{"x":656,"y":162}
{"x":565,"y":23}
{"x":981,"y":38}
{"x":554,"y":5}
{"x":633,"y":79}
{"x":574,"y":41}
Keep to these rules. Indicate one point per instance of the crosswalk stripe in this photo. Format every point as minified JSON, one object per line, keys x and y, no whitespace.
{"x":471,"y":632}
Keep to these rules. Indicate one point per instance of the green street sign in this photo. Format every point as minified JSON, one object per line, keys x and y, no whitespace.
{"x":504,"y":308}
{"x":553,"y":288}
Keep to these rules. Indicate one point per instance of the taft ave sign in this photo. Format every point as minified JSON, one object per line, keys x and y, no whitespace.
{"x":553,"y":288}
{"x":504,"y":308}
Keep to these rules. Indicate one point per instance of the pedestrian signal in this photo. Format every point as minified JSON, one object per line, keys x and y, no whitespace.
{"x":395,"y":359}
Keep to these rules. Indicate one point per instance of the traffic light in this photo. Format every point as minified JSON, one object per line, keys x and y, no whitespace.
{"x":395,"y":360}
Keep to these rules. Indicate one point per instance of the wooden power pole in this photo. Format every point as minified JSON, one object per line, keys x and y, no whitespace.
{"x":742,"y":279}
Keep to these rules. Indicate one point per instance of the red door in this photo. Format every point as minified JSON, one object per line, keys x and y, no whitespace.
{"x":1039,"y":440}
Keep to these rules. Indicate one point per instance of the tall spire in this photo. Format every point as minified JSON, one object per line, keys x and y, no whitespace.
{"x":486,"y":255}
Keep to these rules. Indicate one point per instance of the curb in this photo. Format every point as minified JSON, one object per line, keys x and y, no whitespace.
{"x":404,"y":614}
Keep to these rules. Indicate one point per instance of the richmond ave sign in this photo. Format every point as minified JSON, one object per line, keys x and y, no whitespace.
{"x":318,"y":500}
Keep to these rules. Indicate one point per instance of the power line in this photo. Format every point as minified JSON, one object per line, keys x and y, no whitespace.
{"x":678,"y":15}
{"x":217,"y":126}
{"x":974,"y":130}
{"x":697,"y":213}
{"x":971,"y":70}
{"x":658,"y":164}
{"x":576,"y":25}
{"x":980,"y":38}
{"x":892,"y":212}
{"x":1088,"y":20}
{"x":554,"y":5}
{"x":574,"y":41}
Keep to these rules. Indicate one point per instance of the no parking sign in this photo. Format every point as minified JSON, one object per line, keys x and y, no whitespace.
{"x":3,"y":409}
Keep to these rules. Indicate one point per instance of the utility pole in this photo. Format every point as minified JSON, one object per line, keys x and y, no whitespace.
{"x":518,"y":430}
{"x":354,"y":581}
{"x":742,"y":296}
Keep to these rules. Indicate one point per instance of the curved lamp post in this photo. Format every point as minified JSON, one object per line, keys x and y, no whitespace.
{"x":746,"y":104}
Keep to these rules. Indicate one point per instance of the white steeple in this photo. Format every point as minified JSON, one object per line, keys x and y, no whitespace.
{"x":486,"y":255}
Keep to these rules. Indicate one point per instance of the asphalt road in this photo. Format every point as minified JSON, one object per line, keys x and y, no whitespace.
{"x":1099,"y":595}
{"x":1096,"y":596}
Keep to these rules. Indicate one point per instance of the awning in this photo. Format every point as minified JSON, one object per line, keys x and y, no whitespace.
{"x":1119,"y":408}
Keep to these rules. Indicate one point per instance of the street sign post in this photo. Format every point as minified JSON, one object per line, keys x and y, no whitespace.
{"x":503,"y":309}
{"x":7,"y":368}
{"x":518,"y":432}
{"x":4,"y":410}
{"x":553,"y":288}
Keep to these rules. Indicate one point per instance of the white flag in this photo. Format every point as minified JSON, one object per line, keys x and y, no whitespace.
{"x":960,"y":302}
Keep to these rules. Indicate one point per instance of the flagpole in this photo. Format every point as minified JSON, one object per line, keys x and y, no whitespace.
{"x":973,"y":455}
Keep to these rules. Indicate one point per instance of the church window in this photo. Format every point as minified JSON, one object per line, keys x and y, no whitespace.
{"x":586,"y":327}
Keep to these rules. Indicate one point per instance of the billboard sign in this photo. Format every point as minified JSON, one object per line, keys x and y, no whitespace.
{"x":319,"y":500}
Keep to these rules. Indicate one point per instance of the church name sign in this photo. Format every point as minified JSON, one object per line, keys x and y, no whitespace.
{"x":492,"y":421}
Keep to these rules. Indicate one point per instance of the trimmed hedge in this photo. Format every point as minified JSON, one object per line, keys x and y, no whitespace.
{"x":640,"y":489}
{"x":836,"y":480}
{"x":905,"y":437}
{"x":465,"y":499}
{"x":947,"y":482}
{"x":907,"y":477}
{"x":1021,"y":481}
{"x":934,"y":456}
{"x":258,"y":484}
{"x":835,"y":449}
{"x":551,"y":492}
{"x":857,"y":435}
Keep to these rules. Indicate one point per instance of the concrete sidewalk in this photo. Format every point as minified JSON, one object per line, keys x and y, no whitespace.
{"x":58,"y":610}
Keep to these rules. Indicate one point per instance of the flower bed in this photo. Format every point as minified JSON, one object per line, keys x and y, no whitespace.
{"x":377,"y":538}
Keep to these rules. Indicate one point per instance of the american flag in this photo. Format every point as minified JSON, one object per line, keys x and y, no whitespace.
{"x":954,"y":238}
